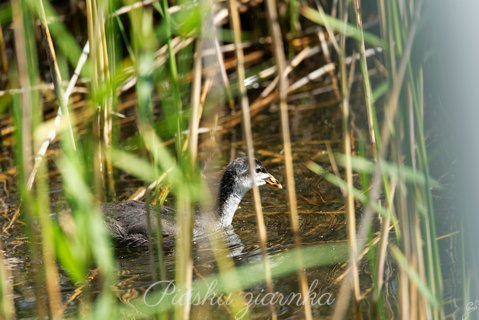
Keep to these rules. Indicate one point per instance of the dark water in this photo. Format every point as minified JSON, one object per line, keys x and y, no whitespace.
{"x":320,"y":207}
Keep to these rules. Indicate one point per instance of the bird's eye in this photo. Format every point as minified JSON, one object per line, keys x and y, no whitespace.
{"x":258,"y":170}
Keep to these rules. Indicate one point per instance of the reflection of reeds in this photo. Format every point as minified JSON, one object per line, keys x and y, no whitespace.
{"x":165,"y":66}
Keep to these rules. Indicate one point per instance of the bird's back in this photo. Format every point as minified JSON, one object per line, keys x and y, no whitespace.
{"x":127,"y":221}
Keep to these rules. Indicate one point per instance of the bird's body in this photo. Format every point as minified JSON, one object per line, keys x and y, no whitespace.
{"x":127,"y":221}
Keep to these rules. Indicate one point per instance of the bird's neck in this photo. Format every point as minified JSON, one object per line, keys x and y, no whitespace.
{"x":229,"y":199}
{"x":228,"y":208}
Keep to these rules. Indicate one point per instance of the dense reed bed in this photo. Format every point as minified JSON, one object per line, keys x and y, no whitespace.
{"x":99,"y":94}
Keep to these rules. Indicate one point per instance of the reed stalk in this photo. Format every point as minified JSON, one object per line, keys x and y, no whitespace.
{"x":371,"y":112}
{"x":248,"y":135}
{"x":26,"y":118}
{"x":280,"y":59}
{"x":3,"y":54}
{"x":97,"y":17}
{"x":195,"y":103}
{"x":7,"y":308}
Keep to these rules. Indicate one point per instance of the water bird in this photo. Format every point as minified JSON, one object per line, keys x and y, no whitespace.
{"x":127,"y":221}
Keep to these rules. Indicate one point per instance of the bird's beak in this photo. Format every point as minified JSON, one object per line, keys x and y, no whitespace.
{"x":272,"y":182}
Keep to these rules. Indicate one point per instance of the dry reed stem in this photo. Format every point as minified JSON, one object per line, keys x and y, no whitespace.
{"x":56,"y":75}
{"x":330,"y":31}
{"x":346,"y":81}
{"x":224,"y":75}
{"x":327,"y":57}
{"x":12,"y":220}
{"x":3,"y":53}
{"x":350,"y":210}
{"x":195,"y":102}
{"x":40,"y":87}
{"x":183,"y":258}
{"x":161,"y":55}
{"x":385,"y":228}
{"x":278,"y":49}
{"x":316,"y":74}
{"x":352,"y":70}
{"x":7,"y":307}
{"x":366,"y":83}
{"x":100,"y":75}
{"x":297,"y":59}
{"x":140,"y":193}
{"x":26,"y":139}
{"x":376,"y":240}
{"x":108,"y":103}
{"x":230,"y":64}
{"x":52,"y":134}
{"x":51,"y":272}
{"x":136,"y":5}
{"x":93,"y":39}
{"x":256,"y":107}
{"x":246,"y":120}
{"x":333,"y":163}
{"x":79,"y":290}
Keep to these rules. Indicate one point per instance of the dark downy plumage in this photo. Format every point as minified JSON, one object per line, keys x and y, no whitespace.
{"x":127,"y":221}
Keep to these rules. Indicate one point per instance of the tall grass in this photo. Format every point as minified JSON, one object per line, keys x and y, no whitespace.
{"x":166,"y":57}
